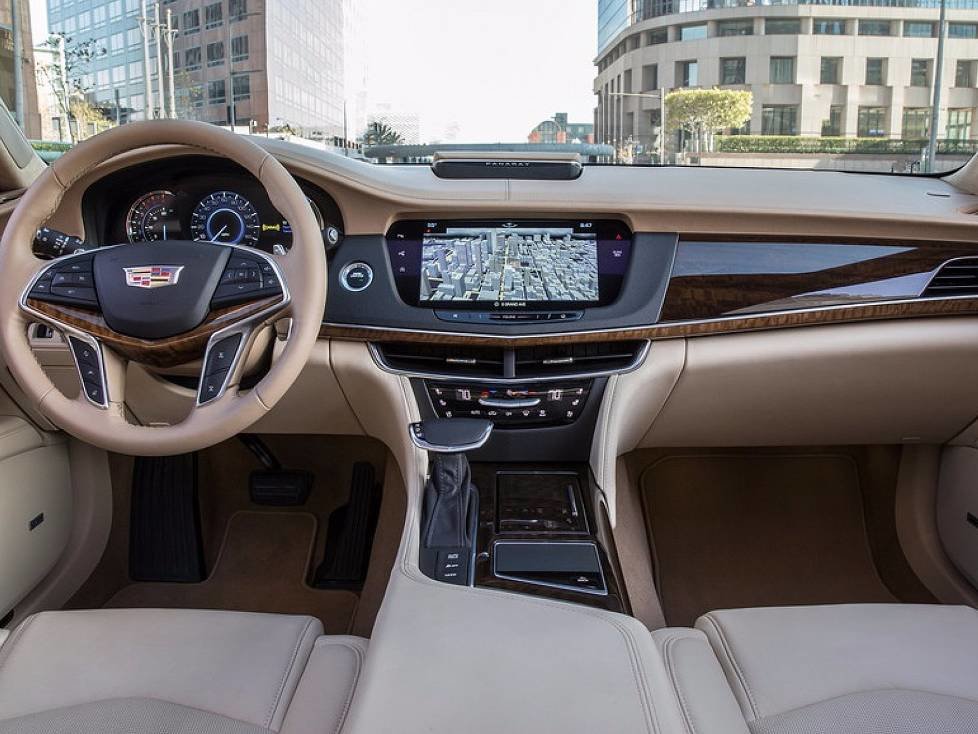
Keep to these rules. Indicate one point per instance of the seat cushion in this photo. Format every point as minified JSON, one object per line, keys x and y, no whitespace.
{"x":126,"y":664}
{"x":859,"y":669}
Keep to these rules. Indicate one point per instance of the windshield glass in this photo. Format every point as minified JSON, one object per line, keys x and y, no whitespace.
{"x":859,"y":85}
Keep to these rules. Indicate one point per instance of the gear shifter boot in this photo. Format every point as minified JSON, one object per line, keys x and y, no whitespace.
{"x":450,"y":507}
{"x":447,"y":497}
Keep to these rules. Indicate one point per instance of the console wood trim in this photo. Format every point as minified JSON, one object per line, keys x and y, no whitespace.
{"x":880,"y":311}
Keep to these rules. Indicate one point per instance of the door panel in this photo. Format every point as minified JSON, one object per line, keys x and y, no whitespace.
{"x":35,"y":508}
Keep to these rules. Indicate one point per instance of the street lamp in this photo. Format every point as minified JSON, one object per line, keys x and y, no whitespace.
{"x":661,"y":96}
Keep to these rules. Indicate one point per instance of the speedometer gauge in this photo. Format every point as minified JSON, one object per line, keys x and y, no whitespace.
{"x":226,"y":217}
{"x":153,"y":217}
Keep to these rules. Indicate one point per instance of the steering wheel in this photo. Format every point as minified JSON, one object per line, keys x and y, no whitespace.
{"x":161,"y":303}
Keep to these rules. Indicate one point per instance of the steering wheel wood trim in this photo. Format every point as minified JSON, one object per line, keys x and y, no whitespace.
{"x":303,"y":271}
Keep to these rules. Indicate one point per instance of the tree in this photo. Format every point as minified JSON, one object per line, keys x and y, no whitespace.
{"x":380,"y":133}
{"x":67,"y":82}
{"x":702,"y":112}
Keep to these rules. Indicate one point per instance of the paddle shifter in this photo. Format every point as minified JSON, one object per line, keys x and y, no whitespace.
{"x":450,"y":510}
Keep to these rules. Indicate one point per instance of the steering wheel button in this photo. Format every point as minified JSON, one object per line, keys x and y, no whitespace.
{"x":221,"y":354}
{"x":210,"y":386}
{"x":95,"y":392}
{"x":75,"y":292}
{"x":90,"y":374}
{"x":84,"y":353}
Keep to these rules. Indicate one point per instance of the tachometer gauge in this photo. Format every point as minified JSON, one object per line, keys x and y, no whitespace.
{"x":227,"y":218}
{"x":153,"y":217}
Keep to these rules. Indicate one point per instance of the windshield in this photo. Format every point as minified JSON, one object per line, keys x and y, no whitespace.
{"x":857,"y":85}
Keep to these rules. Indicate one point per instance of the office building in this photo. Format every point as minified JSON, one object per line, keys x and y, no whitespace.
{"x":824,"y":69}
{"x":258,"y":64}
{"x":558,"y":130}
{"x":30,"y":116}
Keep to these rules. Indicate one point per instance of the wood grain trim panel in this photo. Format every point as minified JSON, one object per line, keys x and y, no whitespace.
{"x":170,"y":352}
{"x":783,"y":320}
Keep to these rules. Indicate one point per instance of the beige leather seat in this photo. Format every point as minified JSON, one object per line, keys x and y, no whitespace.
{"x":175,"y":671}
{"x":846,"y":669}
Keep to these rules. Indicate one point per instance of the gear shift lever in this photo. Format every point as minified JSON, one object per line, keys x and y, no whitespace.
{"x":450,"y":512}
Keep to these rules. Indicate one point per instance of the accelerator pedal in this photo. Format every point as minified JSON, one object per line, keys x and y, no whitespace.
{"x":350,"y":534}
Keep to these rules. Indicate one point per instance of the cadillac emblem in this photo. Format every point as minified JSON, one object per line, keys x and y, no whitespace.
{"x":153,"y":276}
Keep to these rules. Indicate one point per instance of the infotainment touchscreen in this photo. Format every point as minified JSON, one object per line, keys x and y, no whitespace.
{"x":498,"y":265}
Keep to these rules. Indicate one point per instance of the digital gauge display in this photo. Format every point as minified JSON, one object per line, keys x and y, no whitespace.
{"x":153,"y":217}
{"x":225,"y":217}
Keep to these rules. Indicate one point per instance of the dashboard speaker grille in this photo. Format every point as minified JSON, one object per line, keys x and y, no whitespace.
{"x":954,"y":278}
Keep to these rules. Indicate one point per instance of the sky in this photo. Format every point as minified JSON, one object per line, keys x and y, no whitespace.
{"x":495,"y":68}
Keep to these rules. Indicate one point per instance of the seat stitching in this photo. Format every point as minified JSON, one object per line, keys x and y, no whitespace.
{"x":728,"y":653}
{"x":667,"y":646}
{"x":285,"y":675}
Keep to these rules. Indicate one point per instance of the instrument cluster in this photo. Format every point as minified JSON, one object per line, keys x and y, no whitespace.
{"x":170,"y":202}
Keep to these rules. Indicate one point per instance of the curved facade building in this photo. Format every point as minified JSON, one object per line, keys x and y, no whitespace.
{"x":827,"y":69}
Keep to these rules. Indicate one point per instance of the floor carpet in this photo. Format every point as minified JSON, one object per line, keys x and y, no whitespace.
{"x":731,"y":531}
{"x":261,"y":567}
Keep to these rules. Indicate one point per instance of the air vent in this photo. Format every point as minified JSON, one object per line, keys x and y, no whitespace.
{"x":583,"y":357}
{"x":519,"y":363}
{"x":954,"y":278}
{"x":443,"y":359}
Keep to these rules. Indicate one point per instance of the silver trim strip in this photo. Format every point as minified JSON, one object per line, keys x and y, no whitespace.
{"x":512,"y":404}
{"x":442,"y":449}
{"x":549,"y":584}
{"x":505,"y":338}
{"x":640,"y":356}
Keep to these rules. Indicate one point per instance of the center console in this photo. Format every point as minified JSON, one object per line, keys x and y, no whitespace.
{"x":460,"y":308}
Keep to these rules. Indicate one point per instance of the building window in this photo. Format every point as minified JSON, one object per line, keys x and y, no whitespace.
{"x":916,"y":123}
{"x":735,"y":28}
{"x":239,"y":48}
{"x":733,"y":71}
{"x":215,"y":53}
{"x":692,"y":32}
{"x":216,"y":92}
{"x":830,"y":70}
{"x":779,"y":119}
{"x":117,"y":43}
{"x":650,"y":77}
{"x":237,"y":10}
{"x":959,"y":123}
{"x":874,"y":28}
{"x":191,"y":22}
{"x":871,"y":122}
{"x":875,"y":72}
{"x":191,"y":59}
{"x":115,"y":9}
{"x":136,"y":69}
{"x":782,"y":26}
{"x":964,"y":74}
{"x":832,"y":125}
{"x":962,"y":30}
{"x":688,"y":73}
{"x":659,"y":35}
{"x":918,"y":29}
{"x":196,"y":95}
{"x":920,"y":73}
{"x":213,"y":15}
{"x":99,"y":15}
{"x":242,"y":87}
{"x":829,"y":27}
{"x":782,"y":70}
